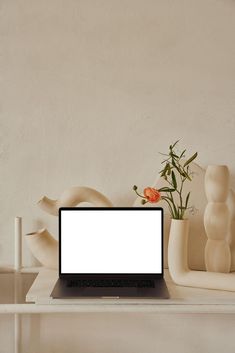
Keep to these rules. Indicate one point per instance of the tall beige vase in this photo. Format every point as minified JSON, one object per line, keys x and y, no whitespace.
{"x":217,"y":219}
{"x":178,"y":248}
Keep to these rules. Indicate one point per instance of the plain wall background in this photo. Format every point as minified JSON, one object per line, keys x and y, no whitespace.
{"x":92,"y":90}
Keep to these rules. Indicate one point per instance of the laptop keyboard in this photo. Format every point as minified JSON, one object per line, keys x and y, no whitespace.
{"x":111,"y":283}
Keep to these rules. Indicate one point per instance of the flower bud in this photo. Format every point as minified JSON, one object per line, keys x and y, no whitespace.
{"x":152,"y":194}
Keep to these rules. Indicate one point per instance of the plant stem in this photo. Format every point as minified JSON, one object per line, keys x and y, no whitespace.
{"x":139,"y":194}
{"x":169,"y":205}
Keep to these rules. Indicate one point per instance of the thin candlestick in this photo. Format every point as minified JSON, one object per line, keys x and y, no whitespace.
{"x":17,"y":267}
{"x":18,"y":244}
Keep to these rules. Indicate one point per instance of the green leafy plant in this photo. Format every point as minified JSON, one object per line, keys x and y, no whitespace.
{"x":176,"y":172}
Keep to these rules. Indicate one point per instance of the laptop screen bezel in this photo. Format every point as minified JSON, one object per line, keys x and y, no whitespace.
{"x":112,"y":275}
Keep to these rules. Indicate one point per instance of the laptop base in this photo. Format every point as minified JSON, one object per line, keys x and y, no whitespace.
{"x":62,"y":290}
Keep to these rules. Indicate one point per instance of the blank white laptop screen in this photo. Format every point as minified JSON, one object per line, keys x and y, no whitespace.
{"x":111,"y":241}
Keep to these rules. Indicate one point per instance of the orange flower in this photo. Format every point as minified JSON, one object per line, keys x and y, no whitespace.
{"x":152,"y":195}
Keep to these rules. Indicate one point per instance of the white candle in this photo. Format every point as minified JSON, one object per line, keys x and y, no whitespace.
{"x":18,"y":243}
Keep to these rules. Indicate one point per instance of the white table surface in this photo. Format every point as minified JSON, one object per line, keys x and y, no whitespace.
{"x":182,"y":300}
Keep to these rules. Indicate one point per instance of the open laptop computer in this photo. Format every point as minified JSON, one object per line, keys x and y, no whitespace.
{"x":110,"y":253}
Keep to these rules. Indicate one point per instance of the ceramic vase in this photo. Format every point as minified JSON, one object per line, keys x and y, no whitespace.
{"x":42,"y":244}
{"x":217,"y":219}
{"x":44,"y":247}
{"x":178,"y":248}
{"x":72,"y":197}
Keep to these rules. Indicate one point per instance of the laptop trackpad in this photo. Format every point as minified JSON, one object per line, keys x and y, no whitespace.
{"x":110,"y":292}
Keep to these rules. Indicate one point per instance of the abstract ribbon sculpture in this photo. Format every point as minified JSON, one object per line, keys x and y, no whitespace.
{"x":42,"y":244}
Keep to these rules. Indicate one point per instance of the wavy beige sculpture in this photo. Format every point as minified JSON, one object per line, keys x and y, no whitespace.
{"x":231,"y":238}
{"x":42,"y":244}
{"x":178,"y":263}
{"x":217,"y":220}
{"x":72,"y":197}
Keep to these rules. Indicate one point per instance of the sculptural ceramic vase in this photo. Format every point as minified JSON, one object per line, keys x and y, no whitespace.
{"x":217,"y":219}
{"x":44,"y":247}
{"x":178,"y":248}
{"x":42,"y":244}
{"x":72,"y":197}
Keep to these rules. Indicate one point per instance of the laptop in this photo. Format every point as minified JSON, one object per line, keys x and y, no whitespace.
{"x":110,"y":253}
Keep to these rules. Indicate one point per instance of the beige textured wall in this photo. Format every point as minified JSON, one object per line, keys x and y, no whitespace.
{"x":91,"y":91}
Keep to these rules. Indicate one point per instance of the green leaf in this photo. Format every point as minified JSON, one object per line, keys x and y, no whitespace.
{"x":179,"y":171}
{"x":168,"y":169}
{"x":165,"y":160}
{"x":188,"y":177}
{"x":175,"y":144}
{"x":190,"y":159}
{"x":174,"y":182}
{"x":166,"y":189}
{"x":186,"y":201}
{"x":164,"y":170}
{"x":182,"y":153}
{"x":143,"y":201}
{"x":174,"y":155}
